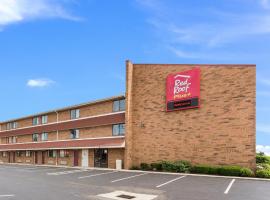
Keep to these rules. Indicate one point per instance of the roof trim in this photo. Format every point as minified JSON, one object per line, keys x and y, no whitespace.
{"x":66,"y":108}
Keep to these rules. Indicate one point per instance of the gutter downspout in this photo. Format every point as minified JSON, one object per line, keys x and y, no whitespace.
{"x":57,"y":135}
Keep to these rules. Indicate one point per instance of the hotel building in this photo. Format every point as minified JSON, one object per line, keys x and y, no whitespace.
{"x":201,"y":113}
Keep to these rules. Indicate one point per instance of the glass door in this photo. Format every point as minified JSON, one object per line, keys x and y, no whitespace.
{"x":101,"y":158}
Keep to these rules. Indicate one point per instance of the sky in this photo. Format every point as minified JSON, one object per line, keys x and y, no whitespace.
{"x":56,"y":53}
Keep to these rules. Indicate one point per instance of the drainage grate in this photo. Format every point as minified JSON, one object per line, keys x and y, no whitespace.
{"x":124,"y":196}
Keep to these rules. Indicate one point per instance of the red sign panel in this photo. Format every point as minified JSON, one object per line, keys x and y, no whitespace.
{"x":183,"y":90}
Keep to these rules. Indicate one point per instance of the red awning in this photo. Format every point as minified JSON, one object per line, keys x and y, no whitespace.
{"x":118,"y":142}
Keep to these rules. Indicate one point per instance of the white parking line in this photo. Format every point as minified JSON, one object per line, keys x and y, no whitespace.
{"x":129,"y":177}
{"x":67,"y":172}
{"x":229,"y":187}
{"x":7,"y":195}
{"x":158,"y":186}
{"x":96,"y":174}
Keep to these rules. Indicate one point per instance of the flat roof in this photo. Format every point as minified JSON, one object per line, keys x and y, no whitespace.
{"x":67,"y":108}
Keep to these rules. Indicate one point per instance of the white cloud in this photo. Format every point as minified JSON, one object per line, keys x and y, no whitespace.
{"x":204,"y":34}
{"x":262,"y":148}
{"x":39,"y":82}
{"x":14,"y":11}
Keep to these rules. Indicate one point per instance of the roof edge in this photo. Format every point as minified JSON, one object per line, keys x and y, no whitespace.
{"x":66,"y":108}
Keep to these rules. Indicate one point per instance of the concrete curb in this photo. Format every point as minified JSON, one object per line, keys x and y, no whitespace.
{"x":141,"y":171}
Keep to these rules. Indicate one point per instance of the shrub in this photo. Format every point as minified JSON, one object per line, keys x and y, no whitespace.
{"x":263,"y":173}
{"x":145,"y":166}
{"x":263,"y":166}
{"x":223,"y":170}
{"x":134,"y":168}
{"x":246,"y":172}
{"x":263,"y":159}
{"x":177,"y":166}
{"x":168,"y":166}
{"x":156,"y":166}
{"x":205,"y":169}
{"x":230,"y":171}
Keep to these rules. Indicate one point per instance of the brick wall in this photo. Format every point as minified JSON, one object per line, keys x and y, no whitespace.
{"x":221,"y":132}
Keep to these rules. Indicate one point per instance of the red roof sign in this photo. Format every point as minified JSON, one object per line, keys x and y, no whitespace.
{"x":183,"y":90}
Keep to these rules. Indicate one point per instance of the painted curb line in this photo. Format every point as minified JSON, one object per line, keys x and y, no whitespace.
{"x":141,"y":171}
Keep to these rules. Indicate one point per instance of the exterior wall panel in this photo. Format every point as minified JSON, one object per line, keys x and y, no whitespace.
{"x":221,"y":132}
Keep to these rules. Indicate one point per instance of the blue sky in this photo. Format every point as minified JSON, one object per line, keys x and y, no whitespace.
{"x":55,"y":53}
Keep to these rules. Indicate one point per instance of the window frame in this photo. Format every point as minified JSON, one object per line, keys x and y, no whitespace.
{"x":19,"y":154}
{"x":28,"y":154}
{"x":119,"y":105}
{"x":119,"y":132}
{"x":65,"y":153}
{"x":42,"y":136}
{"x":36,"y":137}
{"x":35,"y":121}
{"x":44,"y":117}
{"x":77,"y":133}
{"x":75,"y":113}
{"x":53,"y":155}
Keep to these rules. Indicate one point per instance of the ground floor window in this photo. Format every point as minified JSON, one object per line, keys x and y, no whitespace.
{"x":19,"y":154}
{"x":64,"y":153}
{"x":4,"y":154}
{"x":52,"y":153}
{"x":28,"y":153}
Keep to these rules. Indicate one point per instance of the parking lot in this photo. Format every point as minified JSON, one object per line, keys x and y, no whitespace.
{"x":24,"y":182}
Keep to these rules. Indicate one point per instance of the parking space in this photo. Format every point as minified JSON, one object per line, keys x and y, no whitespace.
{"x":49,"y":182}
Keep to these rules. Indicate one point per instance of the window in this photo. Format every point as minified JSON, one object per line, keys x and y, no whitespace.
{"x":119,"y":105}
{"x":19,"y":153}
{"x":35,"y":121}
{"x":12,"y":125}
{"x":52,"y":153}
{"x":74,"y":114}
{"x":118,"y":129}
{"x":35,"y":137}
{"x":74,"y":133}
{"x":4,"y":154}
{"x":64,"y":153}
{"x":28,"y":153}
{"x":44,"y":136}
{"x":12,"y":139}
{"x":44,"y":119}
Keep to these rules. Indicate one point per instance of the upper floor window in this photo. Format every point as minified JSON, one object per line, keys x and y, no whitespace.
{"x":44,"y":119}
{"x":64,"y":153}
{"x":12,"y":125}
{"x":119,"y":105}
{"x":118,"y":129}
{"x":35,"y":137}
{"x":52,"y":153}
{"x":44,"y":136}
{"x":35,"y":121}
{"x":74,"y":114}
{"x":74,"y":133}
